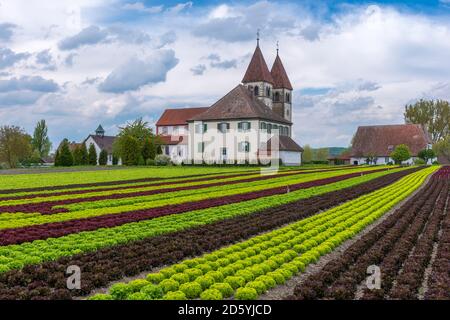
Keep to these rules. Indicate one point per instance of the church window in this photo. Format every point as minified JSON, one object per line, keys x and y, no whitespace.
{"x":268,"y":91}
{"x":288,"y":97}
{"x":263,"y":126}
{"x":277,"y":96}
{"x":256,"y":91}
{"x":223,"y":127}
{"x":244,"y":126}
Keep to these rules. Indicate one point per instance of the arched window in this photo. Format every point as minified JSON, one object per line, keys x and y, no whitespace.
{"x":256,"y":90}
{"x":277,"y":96}
{"x":268,"y":91}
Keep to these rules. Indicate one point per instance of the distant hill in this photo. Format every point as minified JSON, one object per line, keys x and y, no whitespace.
{"x":330,"y":151}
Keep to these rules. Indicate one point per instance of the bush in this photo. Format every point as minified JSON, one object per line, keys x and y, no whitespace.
{"x":177,"y":295}
{"x":192,"y":290}
{"x":103,"y":158}
{"x":246,"y":294}
{"x":169,"y":285}
{"x":162,"y":160}
{"x":419,"y":162}
{"x":211,"y":294}
{"x":225,"y":289}
{"x":150,"y":162}
{"x":152,"y":291}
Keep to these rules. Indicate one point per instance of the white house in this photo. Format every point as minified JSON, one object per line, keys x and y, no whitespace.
{"x":378,"y":142}
{"x":102,"y":142}
{"x":251,"y":123}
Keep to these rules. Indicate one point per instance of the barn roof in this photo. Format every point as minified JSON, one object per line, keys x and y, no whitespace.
{"x":381,"y":140}
{"x":178,"y":117}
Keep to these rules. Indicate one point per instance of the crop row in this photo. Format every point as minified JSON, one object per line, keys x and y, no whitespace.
{"x":44,"y":204}
{"x":64,"y":227}
{"x":394,"y":246}
{"x":112,"y":263}
{"x":157,"y":205}
{"x":250,"y":268}
{"x":17,"y":256}
{"x":79,"y":179}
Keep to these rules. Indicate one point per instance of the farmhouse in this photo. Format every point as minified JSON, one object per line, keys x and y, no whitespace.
{"x":379,"y":142}
{"x":240,"y":126}
{"x":101,"y":142}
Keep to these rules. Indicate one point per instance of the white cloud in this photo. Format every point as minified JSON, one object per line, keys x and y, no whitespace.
{"x":139,"y":6}
{"x":88,"y":36}
{"x":6,"y":31}
{"x":136,"y":73}
{"x":8,"y":58}
{"x":180,"y":7}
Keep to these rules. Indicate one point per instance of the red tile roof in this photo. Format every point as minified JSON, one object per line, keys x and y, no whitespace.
{"x":257,"y":69}
{"x":381,"y":140}
{"x":239,"y":103}
{"x":280,"y":78}
{"x":285,"y":144}
{"x":178,"y":117}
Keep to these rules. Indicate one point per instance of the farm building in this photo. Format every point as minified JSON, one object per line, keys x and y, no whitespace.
{"x":343,"y":159}
{"x":241,"y":125}
{"x":101,"y":142}
{"x":379,"y":142}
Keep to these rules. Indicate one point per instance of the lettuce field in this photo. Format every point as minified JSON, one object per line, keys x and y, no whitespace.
{"x":177,"y":233}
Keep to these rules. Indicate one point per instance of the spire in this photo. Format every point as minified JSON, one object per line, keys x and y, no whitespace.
{"x":257,"y":70}
{"x":100,"y":131}
{"x":257,"y":38}
{"x":280,"y":78}
{"x":278,"y":47}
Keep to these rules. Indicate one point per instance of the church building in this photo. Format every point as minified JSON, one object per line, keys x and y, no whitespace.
{"x":252,"y":123}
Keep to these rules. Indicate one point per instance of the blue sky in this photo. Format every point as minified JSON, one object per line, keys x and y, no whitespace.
{"x":78,"y":63}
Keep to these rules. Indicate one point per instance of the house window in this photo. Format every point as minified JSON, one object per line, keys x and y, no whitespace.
{"x":201,"y":147}
{"x":263,"y":126}
{"x":175,"y":130}
{"x":256,"y":91}
{"x":199,"y":128}
{"x":223,"y":151}
{"x":277,"y":96}
{"x":179,"y":151}
{"x":390,"y":148}
{"x":244,"y":126}
{"x":167,"y":150}
{"x":268,"y":91}
{"x":269,"y":128}
{"x":244,"y":146}
{"x":164,"y":130}
{"x":287,"y":112}
{"x":275,"y":127}
{"x":223,"y":127}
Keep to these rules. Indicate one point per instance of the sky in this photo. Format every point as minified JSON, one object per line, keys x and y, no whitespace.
{"x":81,"y":63}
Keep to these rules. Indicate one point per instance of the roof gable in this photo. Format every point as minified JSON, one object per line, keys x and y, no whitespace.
{"x":382,"y":140}
{"x":239,"y":103}
{"x":178,"y":117}
{"x":103,"y":142}
{"x":279,"y":75}
{"x":257,"y":69}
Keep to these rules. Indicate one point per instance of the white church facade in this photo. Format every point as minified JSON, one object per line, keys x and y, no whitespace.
{"x":250,"y":124}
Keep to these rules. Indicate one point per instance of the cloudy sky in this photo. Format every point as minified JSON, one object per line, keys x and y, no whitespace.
{"x":79,"y":63}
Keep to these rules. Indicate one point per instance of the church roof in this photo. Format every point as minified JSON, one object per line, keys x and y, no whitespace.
{"x":280,"y":78}
{"x":257,"y":69}
{"x":178,"y":117}
{"x":381,"y":140}
{"x":239,"y":103}
{"x":103,"y":142}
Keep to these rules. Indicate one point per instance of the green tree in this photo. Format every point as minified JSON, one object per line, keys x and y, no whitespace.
{"x":307,"y":154}
{"x":442,"y":148}
{"x":57,"y":161}
{"x":130,"y":151}
{"x":15,"y":145}
{"x":65,"y":156}
{"x":432,"y":114}
{"x":92,"y":155}
{"x":84,"y":155}
{"x":40,"y":140}
{"x":322,"y":154}
{"x":401,"y":153}
{"x":77,"y":156}
{"x":427,"y":155}
{"x":103,"y":158}
{"x":142,"y":136}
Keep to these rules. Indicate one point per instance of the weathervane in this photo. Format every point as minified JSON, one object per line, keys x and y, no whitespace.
{"x":278,"y":46}
{"x":257,"y":37}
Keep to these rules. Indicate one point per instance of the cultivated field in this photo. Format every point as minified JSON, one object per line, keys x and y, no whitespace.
{"x":221,"y":233}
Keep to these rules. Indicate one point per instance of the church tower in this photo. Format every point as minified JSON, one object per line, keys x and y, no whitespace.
{"x":282,"y":90}
{"x":258,"y":78}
